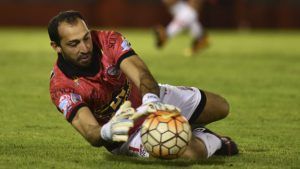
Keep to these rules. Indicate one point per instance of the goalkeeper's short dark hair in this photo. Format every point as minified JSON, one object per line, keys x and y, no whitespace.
{"x":65,"y":16}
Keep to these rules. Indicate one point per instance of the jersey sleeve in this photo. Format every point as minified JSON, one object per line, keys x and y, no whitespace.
{"x":67,"y":101}
{"x":117,"y":47}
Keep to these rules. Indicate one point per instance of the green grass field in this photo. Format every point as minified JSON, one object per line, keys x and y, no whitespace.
{"x":258,"y":72}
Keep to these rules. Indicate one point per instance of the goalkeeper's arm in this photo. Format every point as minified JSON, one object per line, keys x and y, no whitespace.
{"x":86,"y":124}
{"x":137,"y":71}
{"x":116,"y":130}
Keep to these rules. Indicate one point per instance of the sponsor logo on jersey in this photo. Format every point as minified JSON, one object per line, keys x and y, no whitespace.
{"x":106,"y":111}
{"x":65,"y":103}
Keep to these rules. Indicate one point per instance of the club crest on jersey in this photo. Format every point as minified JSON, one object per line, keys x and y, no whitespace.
{"x":125,"y":45}
{"x":113,"y":71}
{"x":75,"y":98}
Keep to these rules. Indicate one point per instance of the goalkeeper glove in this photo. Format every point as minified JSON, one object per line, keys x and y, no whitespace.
{"x":119,"y":125}
{"x":151,"y":104}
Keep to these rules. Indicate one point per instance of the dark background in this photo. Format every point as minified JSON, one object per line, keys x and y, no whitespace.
{"x":283,"y":14}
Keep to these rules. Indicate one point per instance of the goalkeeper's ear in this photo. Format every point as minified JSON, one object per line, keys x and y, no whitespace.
{"x":55,"y":46}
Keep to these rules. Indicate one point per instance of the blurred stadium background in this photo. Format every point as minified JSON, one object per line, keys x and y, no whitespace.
{"x":145,"y":13}
{"x":257,"y":71}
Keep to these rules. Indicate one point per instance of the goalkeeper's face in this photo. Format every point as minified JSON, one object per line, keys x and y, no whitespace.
{"x":76,"y":44}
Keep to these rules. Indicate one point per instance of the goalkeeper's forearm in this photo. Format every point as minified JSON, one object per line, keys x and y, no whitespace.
{"x":86,"y":124}
{"x":93,"y":136}
{"x":115,"y":130}
{"x":137,"y":71}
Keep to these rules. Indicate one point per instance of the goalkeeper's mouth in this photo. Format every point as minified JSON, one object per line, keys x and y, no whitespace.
{"x":85,"y":59}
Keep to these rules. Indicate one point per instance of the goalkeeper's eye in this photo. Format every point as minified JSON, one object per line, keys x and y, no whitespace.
{"x":73,"y":44}
{"x":86,"y":38}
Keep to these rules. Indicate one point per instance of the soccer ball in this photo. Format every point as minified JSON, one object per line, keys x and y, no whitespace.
{"x":166,"y":134}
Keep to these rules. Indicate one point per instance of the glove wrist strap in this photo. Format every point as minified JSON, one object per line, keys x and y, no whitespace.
{"x":150,"y":97}
{"x":105,"y":132}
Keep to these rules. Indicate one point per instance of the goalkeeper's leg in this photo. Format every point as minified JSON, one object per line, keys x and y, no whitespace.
{"x":198,"y":106}
{"x":195,"y":150}
{"x":206,"y":143}
{"x":216,"y":108}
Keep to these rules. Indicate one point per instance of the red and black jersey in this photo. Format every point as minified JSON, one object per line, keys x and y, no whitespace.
{"x":102,"y":87}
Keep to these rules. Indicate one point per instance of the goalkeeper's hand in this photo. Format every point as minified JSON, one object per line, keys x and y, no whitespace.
{"x":151,"y":104}
{"x":119,"y":125}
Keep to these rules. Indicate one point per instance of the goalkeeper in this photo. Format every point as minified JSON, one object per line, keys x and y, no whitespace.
{"x":96,"y":72}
